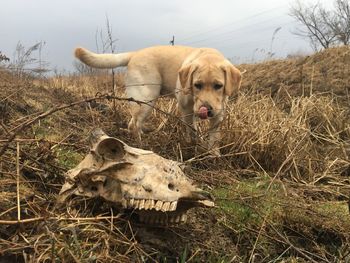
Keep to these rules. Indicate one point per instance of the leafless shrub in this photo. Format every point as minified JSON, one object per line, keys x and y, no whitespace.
{"x":323,"y":28}
{"x":25,"y":61}
{"x":341,"y":22}
{"x":316,"y":29}
{"x":108,"y":44}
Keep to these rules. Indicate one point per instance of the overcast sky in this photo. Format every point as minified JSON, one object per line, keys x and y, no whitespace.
{"x":241,"y":29}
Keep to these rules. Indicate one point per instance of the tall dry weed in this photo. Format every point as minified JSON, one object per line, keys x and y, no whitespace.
{"x":309,"y":139}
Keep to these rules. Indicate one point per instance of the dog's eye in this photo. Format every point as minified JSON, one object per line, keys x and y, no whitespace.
{"x":218,"y":86}
{"x":198,"y":85}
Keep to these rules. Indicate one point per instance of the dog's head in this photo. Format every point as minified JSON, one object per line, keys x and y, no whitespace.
{"x":210,"y":81}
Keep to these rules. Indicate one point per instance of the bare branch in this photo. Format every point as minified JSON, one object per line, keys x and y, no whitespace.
{"x":315,"y":26}
{"x":341,"y":22}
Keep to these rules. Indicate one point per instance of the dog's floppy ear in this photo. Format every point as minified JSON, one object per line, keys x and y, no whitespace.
{"x":185,"y":77}
{"x":233,"y":79}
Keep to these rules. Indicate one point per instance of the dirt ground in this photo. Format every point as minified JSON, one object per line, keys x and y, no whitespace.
{"x":281,"y":186}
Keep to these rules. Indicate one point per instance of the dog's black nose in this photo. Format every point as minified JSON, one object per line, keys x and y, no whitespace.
{"x":210,"y":109}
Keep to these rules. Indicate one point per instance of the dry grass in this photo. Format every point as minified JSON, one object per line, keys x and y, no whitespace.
{"x":282,"y":183}
{"x":326,"y":72}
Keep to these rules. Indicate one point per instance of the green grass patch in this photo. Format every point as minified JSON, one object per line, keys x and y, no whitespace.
{"x":67,"y":158}
{"x":250,"y":201}
{"x":339,"y":210}
{"x":42,"y":129}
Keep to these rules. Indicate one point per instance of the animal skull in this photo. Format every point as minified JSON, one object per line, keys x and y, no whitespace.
{"x":154,"y":187}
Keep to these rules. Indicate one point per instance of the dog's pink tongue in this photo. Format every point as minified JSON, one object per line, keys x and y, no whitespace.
{"x":203,"y":112}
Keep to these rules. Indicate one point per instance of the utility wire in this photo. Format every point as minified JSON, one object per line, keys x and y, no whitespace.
{"x":231,"y":23}
{"x":230,"y":38}
{"x":235,"y":30}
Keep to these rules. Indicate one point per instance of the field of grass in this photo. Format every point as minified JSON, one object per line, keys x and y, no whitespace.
{"x":282,"y":184}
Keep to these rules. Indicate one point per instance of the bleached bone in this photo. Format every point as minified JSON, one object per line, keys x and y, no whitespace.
{"x":133,"y":178}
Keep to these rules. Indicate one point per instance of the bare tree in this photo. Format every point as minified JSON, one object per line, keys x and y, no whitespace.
{"x":341,"y":22}
{"x":111,"y":43}
{"x":322,"y":27}
{"x":314,"y":19}
{"x":108,"y":44}
{"x":103,"y":44}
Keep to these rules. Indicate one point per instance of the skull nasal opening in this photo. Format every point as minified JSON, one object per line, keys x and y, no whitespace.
{"x":172,"y":187}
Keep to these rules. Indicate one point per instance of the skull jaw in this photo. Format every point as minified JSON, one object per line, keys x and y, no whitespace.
{"x":162,"y":218}
{"x":153,"y":217}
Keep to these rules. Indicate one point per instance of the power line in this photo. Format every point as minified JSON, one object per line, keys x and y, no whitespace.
{"x":229,"y":38}
{"x":247,"y":44}
{"x":235,"y":30}
{"x":231,"y":23}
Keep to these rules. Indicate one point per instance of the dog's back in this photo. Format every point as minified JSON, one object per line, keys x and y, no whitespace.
{"x":162,"y":60}
{"x":159,"y":55}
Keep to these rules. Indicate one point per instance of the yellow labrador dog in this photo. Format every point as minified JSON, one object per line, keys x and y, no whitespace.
{"x":200,"y":78}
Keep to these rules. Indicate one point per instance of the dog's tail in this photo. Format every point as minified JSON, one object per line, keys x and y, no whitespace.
{"x":102,"y":60}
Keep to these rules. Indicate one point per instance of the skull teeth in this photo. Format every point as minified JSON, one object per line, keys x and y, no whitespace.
{"x":136,"y":204}
{"x":173,"y":206}
{"x":142,"y":204}
{"x":158,"y":205}
{"x":163,"y":219}
{"x":165,"y":207}
{"x":149,"y":204}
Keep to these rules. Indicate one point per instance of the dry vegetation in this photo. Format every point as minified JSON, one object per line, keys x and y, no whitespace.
{"x":281,"y":186}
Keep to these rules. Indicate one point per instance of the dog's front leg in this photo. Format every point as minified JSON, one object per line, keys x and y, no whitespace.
{"x":214,"y":135}
{"x":191,"y":131}
{"x":186,"y":110}
{"x":145,"y":97}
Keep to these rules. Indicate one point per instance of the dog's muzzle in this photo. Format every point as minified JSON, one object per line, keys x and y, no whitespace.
{"x":205,"y":111}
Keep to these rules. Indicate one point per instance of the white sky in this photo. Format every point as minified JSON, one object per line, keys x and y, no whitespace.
{"x":241,"y":29}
